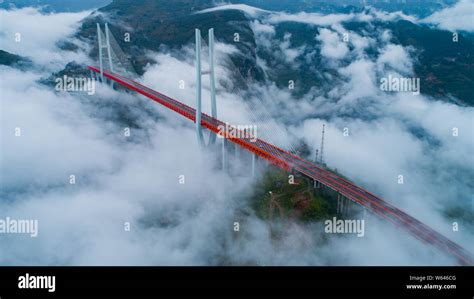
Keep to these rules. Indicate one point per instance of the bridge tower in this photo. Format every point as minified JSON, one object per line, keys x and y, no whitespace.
{"x":199,"y":73}
{"x":109,"y":51}
{"x":104,"y":45}
{"x":211,"y":73}
{"x":101,"y":63}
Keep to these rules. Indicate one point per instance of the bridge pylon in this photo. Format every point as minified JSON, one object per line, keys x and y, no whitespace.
{"x":211,"y":73}
{"x":104,"y":45}
{"x":199,"y":73}
{"x":109,"y":51}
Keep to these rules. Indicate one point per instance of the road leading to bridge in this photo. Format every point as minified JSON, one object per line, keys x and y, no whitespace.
{"x":290,"y":162}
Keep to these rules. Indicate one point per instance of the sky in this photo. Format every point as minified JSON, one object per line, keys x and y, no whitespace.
{"x":136,"y":179}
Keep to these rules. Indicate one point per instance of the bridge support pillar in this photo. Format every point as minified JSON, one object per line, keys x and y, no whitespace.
{"x":316,"y":184}
{"x":472,"y":203}
{"x":254,"y":162}
{"x":238,"y":152}
{"x":340,"y":204}
{"x":224,"y":154}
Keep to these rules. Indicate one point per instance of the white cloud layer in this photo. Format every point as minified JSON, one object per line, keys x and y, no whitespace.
{"x":38,"y":34}
{"x":249,"y":10}
{"x":457,"y":17}
{"x":317,"y":19}
{"x":332,"y":45}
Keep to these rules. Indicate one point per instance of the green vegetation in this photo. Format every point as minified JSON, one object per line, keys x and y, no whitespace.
{"x":314,"y":210}
{"x":160,"y":25}
{"x":54,"y":5}
{"x":444,"y":66}
{"x":460,"y":213}
{"x":288,"y":201}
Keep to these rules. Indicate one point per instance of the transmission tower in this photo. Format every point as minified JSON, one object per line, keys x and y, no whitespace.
{"x":322,"y":146}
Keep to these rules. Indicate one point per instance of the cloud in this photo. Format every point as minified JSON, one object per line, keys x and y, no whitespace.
{"x":249,"y":10}
{"x":63,"y":134}
{"x":390,"y":16}
{"x":290,"y":53}
{"x":264,"y":33}
{"x":118,"y":180}
{"x":359,"y":73}
{"x":332,"y":46}
{"x":39,"y":34}
{"x":310,"y":18}
{"x":454,"y":18}
{"x":313,"y":18}
{"x":397,"y":58}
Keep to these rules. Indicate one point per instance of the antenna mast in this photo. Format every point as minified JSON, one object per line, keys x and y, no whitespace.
{"x":322,"y":146}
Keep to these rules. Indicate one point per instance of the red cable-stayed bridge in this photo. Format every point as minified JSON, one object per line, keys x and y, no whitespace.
{"x":292,"y":163}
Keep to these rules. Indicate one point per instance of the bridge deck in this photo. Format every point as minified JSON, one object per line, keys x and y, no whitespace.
{"x":288,"y":161}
